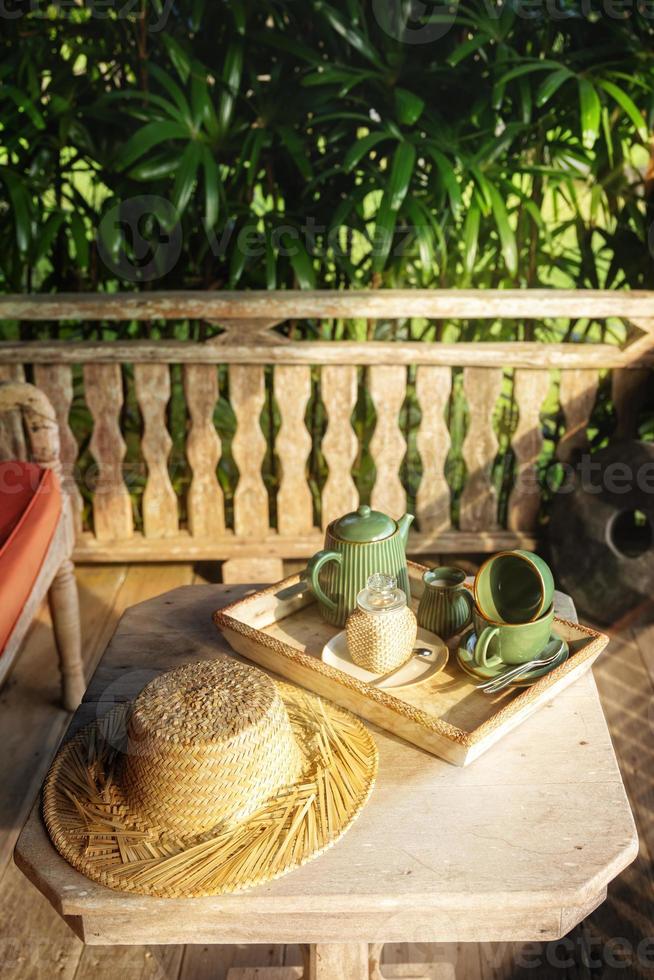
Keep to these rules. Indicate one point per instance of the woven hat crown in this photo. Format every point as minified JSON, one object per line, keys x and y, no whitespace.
{"x":208,"y":744}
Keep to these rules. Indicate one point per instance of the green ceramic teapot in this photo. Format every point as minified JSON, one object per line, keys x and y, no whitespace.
{"x":356,"y":546}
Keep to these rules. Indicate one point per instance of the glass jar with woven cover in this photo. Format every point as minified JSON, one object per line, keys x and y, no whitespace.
{"x":381,"y":632}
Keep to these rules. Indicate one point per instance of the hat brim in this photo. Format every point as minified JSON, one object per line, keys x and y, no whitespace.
{"x":93,"y":828}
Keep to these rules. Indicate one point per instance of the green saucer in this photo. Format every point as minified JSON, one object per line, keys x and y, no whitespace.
{"x":464,"y":656}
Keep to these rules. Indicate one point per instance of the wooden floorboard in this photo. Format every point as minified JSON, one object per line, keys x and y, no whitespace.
{"x":213,"y":962}
{"x":36,"y":944}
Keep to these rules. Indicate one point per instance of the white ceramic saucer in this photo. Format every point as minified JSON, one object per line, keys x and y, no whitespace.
{"x":414,"y":671}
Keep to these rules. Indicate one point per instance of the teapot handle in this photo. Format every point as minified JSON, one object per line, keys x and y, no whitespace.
{"x":313,"y":572}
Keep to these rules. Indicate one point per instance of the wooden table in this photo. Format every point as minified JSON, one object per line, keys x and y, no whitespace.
{"x":519,"y":846}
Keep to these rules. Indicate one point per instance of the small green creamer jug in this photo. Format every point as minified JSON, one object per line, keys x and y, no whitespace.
{"x":445,"y":606}
{"x":356,"y":546}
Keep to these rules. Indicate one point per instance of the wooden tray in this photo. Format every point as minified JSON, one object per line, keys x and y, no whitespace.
{"x":444,"y":715}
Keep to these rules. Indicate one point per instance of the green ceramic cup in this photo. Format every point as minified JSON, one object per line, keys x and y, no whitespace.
{"x":510,"y":643}
{"x":514,"y":587}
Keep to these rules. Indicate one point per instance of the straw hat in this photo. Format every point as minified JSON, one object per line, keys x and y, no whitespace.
{"x":215,"y":779}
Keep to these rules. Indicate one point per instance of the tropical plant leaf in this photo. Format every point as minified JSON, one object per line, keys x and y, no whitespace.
{"x":299,"y":259}
{"x":47,"y":234}
{"x":78,"y":232}
{"x":349,"y":32}
{"x":392,"y":198}
{"x":448,"y":176}
{"x":467,"y":48}
{"x":362,"y":148}
{"x":423,"y":235}
{"x":174,"y":91}
{"x":178,"y":56}
{"x":159,"y":165}
{"x":271,"y":261}
{"x":297,"y":151}
{"x":211,"y":187}
{"x":147,"y":137}
{"x":507,"y":236}
{"x":231,"y":77}
{"x":25,"y":104}
{"x":551,"y":85}
{"x":247,"y":234}
{"x":471,"y":238}
{"x":20,"y":202}
{"x":204,"y":113}
{"x":627,"y":104}
{"x":408,"y":106}
{"x":186,"y":176}
{"x":590,"y":108}
{"x":404,"y":160}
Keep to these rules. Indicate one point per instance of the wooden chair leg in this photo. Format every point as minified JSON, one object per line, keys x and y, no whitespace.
{"x":64,"y":607}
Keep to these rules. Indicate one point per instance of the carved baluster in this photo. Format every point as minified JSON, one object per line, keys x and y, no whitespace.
{"x":338,"y":386}
{"x":293,"y":445}
{"x":387,"y":386}
{"x":56,"y":380}
{"x":112,"y":507}
{"x":577,"y":395}
{"x":433,"y":388}
{"x":482,"y":388}
{"x":247,"y":395}
{"x":159,"y":500}
{"x":205,"y":502}
{"x":530,"y":390}
{"x":12,"y":437}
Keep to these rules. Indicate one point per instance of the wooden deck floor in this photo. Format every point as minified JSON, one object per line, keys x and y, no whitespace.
{"x":615,"y":941}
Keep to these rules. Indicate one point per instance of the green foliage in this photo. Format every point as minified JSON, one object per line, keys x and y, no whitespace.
{"x":324,"y":145}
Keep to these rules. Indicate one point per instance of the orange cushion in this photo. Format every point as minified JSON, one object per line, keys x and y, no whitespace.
{"x":30,"y":505}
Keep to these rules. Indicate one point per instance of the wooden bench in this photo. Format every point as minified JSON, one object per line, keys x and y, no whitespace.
{"x":263,"y":366}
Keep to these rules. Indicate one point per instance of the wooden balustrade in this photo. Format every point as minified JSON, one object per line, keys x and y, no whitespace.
{"x":332,"y":373}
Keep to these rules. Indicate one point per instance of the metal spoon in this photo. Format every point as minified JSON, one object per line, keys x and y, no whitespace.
{"x":507,"y":677}
{"x":417,"y":652}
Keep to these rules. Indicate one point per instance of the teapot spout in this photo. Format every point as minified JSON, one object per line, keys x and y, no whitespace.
{"x":404,"y":524}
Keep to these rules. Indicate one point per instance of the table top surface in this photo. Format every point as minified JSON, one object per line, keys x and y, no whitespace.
{"x":540,"y":821}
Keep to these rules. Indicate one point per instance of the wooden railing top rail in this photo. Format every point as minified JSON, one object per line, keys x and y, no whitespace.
{"x":282,"y":304}
{"x":250,"y":316}
{"x":485,"y":354}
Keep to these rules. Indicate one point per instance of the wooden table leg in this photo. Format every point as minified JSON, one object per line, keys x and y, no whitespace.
{"x":406,"y":971}
{"x":345,"y":961}
{"x":348,"y":961}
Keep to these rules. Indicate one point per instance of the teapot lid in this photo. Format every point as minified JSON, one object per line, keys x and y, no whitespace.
{"x":363,"y":525}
